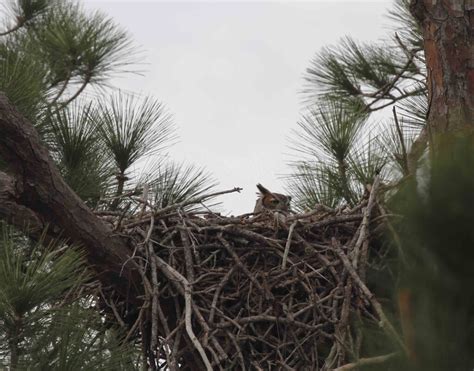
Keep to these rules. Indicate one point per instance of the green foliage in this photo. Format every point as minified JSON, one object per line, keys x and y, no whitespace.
{"x":174,"y":183}
{"x":407,"y":28}
{"x":41,"y":323}
{"x":363,"y":76}
{"x":80,"y":153}
{"x":326,"y":137}
{"x":437,"y":239}
{"x":309,"y":186}
{"x":27,"y":277}
{"x":56,"y":51}
{"x":24,"y":11}
{"x":414,"y":110}
{"x":76,"y":339}
{"x":366,"y":160}
{"x":21,"y":80}
{"x":345,"y":85}
{"x":79,"y":47}
{"x":397,"y":144}
{"x":333,"y":128}
{"x":132,"y":129}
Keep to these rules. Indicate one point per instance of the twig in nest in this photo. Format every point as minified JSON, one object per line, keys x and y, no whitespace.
{"x":288,"y":244}
{"x":266,"y":293}
{"x":384,"y":322}
{"x":145,"y":199}
{"x":365,"y":225}
{"x":175,"y":276}
{"x":366,"y":362}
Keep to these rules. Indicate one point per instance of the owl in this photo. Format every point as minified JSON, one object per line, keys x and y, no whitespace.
{"x":271,"y":201}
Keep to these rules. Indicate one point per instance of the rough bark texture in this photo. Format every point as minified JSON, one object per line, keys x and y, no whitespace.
{"x":36,"y":193}
{"x":448,"y":27}
{"x":17,"y":215}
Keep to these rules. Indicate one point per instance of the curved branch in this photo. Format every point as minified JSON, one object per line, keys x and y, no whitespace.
{"x":77,"y":93}
{"x":19,"y":25}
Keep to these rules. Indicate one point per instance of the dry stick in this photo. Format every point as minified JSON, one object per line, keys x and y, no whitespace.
{"x":187,"y":256}
{"x":381,"y":94}
{"x":342,"y":326}
{"x":190,"y":272}
{"x":396,"y":237}
{"x":366,"y":362}
{"x":66,"y":81}
{"x":139,"y":318}
{"x":252,"y":236}
{"x":222,"y":354}
{"x":320,"y":257}
{"x":229,"y":319}
{"x":318,"y":210}
{"x":331,"y":358}
{"x":216,"y":359}
{"x":177,"y":339}
{"x":288,"y":244}
{"x":173,"y":275}
{"x":145,"y":200}
{"x":119,"y":221}
{"x":335,"y":220}
{"x":218,"y":292}
{"x":268,"y":318}
{"x":365,"y":222}
{"x":167,"y":209}
{"x":237,"y":260}
{"x":114,"y":309}
{"x":162,"y":318}
{"x":195,"y":200}
{"x":237,"y":349}
{"x":154,"y":302}
{"x":384,"y":322}
{"x":365,"y":245}
{"x":19,"y":25}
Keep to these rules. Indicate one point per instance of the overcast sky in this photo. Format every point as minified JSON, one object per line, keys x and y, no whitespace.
{"x":231,"y":72}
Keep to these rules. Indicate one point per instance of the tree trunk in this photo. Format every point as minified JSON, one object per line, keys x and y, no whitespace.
{"x":34,"y":190}
{"x":448,"y":31}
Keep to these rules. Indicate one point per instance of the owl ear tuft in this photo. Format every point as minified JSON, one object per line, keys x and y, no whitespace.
{"x":263,"y":190}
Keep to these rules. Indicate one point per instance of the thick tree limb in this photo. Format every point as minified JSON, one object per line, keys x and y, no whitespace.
{"x":37,"y":186}
{"x":449,"y":53}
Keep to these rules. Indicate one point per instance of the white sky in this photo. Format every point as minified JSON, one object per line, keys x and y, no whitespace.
{"x":231,"y":72}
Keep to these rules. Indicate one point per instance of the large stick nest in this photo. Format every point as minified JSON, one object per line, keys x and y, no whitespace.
{"x":267,"y":291}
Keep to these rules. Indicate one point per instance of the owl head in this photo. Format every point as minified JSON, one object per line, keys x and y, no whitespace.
{"x":271,"y":201}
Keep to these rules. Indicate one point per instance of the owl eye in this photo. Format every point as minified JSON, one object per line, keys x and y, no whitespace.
{"x":274,"y":201}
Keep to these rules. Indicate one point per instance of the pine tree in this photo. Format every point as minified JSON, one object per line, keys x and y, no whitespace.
{"x":46,"y":320}
{"x":79,"y":161}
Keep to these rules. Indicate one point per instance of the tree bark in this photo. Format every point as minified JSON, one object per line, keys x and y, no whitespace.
{"x":448,"y":27}
{"x":34,"y":193}
{"x":15,"y":214}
